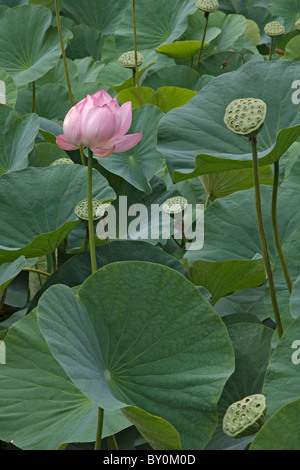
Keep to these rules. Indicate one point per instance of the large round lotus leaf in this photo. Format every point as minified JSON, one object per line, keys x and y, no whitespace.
{"x":17,"y":135}
{"x":139,"y":164}
{"x":45,"y":409}
{"x":8,"y":271}
{"x":103,"y":16}
{"x":29,"y":25}
{"x":13,"y":3}
{"x":157,"y":23}
{"x":237,"y":213}
{"x":195,"y":139}
{"x":281,"y":432}
{"x":292,"y":49}
{"x":165,"y":98}
{"x":233,"y":6}
{"x":173,"y":75}
{"x":225,"y":277}
{"x":51,"y":101}
{"x":223,"y":183}
{"x":160,"y":434}
{"x":252,"y":347}
{"x":290,"y":246}
{"x":45,"y":153}
{"x":75,"y":271}
{"x":86,"y":42}
{"x":282,"y":380}
{"x":37,"y":207}
{"x":251,"y":9}
{"x":141,"y":334}
{"x":289,"y":11}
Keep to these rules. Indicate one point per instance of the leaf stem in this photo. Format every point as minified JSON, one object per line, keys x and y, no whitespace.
{"x":99,"y":429}
{"x":38,"y":271}
{"x":263,"y":239}
{"x":112,"y":443}
{"x":90,"y":212}
{"x":206,"y":15}
{"x":275,"y":228}
{"x":137,"y":78}
{"x":207,"y":201}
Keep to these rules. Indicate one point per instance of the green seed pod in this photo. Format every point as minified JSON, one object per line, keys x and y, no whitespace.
{"x":245,"y":417}
{"x":81,"y":210}
{"x":209,"y":6}
{"x":274,"y":29}
{"x":297,"y":24}
{"x":174,"y":205}
{"x":246,"y":116}
{"x":62,"y":161}
{"x":128,"y":59}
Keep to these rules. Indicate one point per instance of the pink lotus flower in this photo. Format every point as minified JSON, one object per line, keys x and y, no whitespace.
{"x":98,"y":122}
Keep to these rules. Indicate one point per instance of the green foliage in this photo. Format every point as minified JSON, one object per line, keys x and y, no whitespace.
{"x":163,"y":336}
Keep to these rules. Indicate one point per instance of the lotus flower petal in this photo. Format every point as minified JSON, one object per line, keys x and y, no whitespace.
{"x":100,"y":123}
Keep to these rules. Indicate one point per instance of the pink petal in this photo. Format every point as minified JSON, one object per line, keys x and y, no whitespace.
{"x":86,"y":106}
{"x":99,"y":127}
{"x":72,"y":126}
{"x":126,"y":118}
{"x":127,"y":142}
{"x":102,"y":153}
{"x":64,"y":144}
{"x":101,"y":97}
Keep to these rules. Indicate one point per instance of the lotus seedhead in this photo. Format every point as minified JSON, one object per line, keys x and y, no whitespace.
{"x":245,"y":116}
{"x":209,"y":6}
{"x":62,"y":161}
{"x":274,"y":29}
{"x":174,"y":205}
{"x":128,"y":59}
{"x":81,"y":210}
{"x":245,"y":417}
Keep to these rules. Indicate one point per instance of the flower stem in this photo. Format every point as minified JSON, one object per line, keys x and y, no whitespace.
{"x":63,"y":52}
{"x":90,"y":212}
{"x":99,"y":429}
{"x":271,"y":48}
{"x":137,"y":78}
{"x":263,"y":239}
{"x":94,"y":269}
{"x":82,"y":156}
{"x":275,"y":228}
{"x":206,"y":15}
